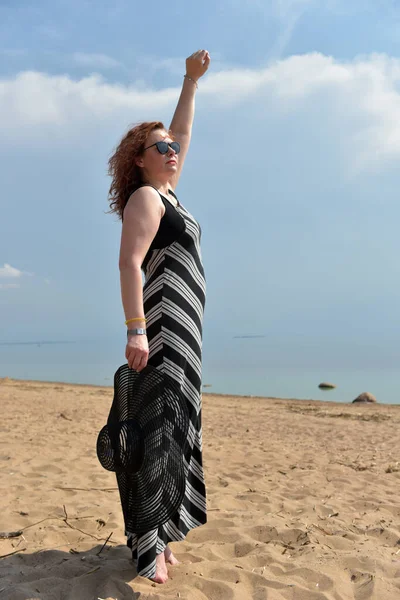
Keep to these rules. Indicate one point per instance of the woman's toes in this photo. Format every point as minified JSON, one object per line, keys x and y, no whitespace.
{"x":169,"y":557}
{"x":158,"y":578}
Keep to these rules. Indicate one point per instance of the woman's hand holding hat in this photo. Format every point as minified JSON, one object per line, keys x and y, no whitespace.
{"x":137,"y":351}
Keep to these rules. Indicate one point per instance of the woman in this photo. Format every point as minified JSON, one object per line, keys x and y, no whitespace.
{"x":164,"y":317}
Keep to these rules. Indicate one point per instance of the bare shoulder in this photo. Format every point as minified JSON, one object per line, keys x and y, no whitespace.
{"x":144,"y":200}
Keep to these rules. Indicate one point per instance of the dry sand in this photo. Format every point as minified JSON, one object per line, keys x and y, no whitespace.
{"x":303,"y":502}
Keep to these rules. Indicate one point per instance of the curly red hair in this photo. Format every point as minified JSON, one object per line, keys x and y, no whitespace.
{"x":122,"y":167}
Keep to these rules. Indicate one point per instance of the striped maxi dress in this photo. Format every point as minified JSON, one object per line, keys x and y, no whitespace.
{"x":174,"y":298}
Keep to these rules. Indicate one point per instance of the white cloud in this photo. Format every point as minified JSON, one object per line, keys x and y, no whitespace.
{"x":35,"y":99}
{"x":9,"y":286}
{"x":95,"y":61}
{"x":360,"y":97}
{"x":9,"y":272}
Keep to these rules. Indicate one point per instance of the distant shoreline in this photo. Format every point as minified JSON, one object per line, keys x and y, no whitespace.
{"x":37,"y":382}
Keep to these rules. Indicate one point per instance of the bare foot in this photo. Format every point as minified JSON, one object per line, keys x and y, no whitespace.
{"x":169,"y":557}
{"x":161,"y":575}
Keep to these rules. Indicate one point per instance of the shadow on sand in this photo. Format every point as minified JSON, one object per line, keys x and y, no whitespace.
{"x":59,"y":575}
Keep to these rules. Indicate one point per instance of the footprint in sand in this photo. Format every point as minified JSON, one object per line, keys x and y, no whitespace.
{"x":363,"y":585}
{"x":47,"y":468}
{"x":213,"y":589}
{"x":243,"y":549}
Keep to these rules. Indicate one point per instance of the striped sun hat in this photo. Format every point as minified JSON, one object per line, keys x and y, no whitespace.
{"x":144,"y":442}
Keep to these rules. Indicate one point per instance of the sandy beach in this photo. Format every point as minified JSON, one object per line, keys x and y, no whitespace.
{"x":303,"y":500}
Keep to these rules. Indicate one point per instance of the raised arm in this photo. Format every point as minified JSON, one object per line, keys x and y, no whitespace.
{"x":182,"y":121}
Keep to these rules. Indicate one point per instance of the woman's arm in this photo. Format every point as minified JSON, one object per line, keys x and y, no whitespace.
{"x":182,"y":121}
{"x":142,"y":217}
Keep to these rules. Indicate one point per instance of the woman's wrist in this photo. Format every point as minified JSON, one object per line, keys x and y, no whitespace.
{"x":191,"y":79}
{"x":136,"y":331}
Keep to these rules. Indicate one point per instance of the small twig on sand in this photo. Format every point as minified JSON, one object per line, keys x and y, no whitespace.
{"x":322,"y":529}
{"x":63,"y":519}
{"x":87,"y":489}
{"x":41,"y":521}
{"x":81,"y":531}
{"x":92,"y":570}
{"x":11,"y":553}
{"x":77,"y":528}
{"x":101,"y":549}
{"x":64,"y":417}
{"x":5,"y":535}
{"x":23,"y":538}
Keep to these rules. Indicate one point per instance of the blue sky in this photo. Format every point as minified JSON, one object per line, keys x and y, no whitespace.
{"x":293,"y":170}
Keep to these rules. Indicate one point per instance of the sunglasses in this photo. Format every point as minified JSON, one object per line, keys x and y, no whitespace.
{"x":163,"y":147}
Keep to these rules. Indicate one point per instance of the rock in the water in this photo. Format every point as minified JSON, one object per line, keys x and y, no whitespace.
{"x":365,"y":397}
{"x":326,"y":386}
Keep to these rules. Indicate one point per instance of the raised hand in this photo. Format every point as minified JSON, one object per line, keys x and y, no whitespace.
{"x":197,"y":64}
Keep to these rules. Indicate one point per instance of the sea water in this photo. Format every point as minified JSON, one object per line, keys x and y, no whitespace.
{"x":95,"y":362}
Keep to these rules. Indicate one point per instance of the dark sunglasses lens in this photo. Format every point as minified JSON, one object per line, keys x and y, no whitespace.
{"x":162,"y":147}
{"x":176,"y":147}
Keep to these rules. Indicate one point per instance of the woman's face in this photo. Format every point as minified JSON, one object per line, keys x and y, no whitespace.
{"x":156,"y":165}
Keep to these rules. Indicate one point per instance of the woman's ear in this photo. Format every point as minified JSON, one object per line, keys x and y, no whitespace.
{"x":139,"y":161}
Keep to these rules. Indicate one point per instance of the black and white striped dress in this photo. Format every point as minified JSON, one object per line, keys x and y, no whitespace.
{"x":174,"y":298}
